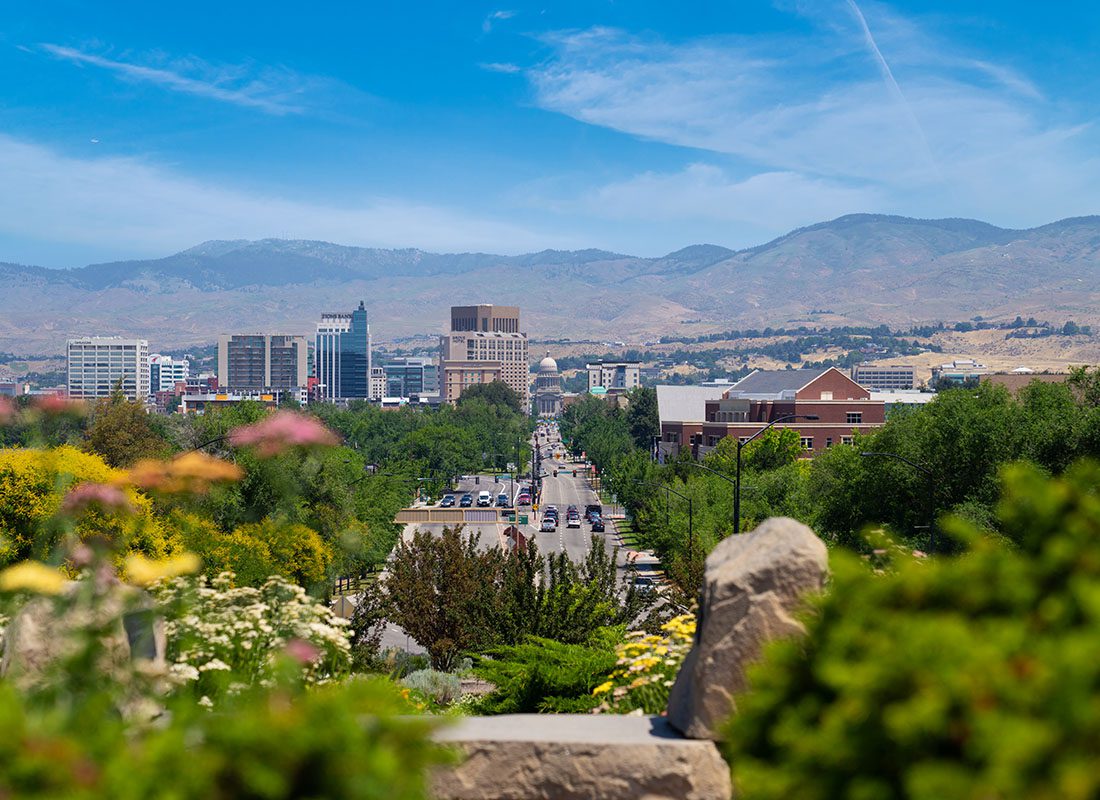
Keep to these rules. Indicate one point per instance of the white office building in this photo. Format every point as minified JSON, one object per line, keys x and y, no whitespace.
{"x":97,"y":364}
{"x":165,"y":372}
{"x":617,"y":377}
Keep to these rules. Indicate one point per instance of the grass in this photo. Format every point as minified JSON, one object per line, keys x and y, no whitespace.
{"x":629,"y":536}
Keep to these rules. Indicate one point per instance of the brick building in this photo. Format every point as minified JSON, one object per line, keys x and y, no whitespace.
{"x":841,"y":405}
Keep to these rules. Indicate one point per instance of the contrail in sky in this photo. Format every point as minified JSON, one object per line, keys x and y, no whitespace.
{"x":892,"y":84}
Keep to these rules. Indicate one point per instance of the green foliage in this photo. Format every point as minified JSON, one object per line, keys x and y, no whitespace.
{"x":453,"y":597}
{"x":776,"y":448}
{"x":971,"y":676}
{"x":541,"y":675}
{"x":122,"y":432}
{"x":496,"y":393}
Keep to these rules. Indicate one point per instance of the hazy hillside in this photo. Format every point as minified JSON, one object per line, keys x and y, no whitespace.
{"x":864,"y":268}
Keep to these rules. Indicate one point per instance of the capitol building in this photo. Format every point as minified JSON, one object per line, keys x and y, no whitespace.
{"x":548,"y":392}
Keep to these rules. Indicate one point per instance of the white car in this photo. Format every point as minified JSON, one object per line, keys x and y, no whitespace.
{"x":547,"y":525}
{"x":484,"y":498}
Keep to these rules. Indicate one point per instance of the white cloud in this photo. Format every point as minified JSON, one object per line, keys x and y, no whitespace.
{"x":487,"y":25}
{"x":137,"y":208}
{"x":505,"y":68}
{"x":706,"y":192}
{"x":272,"y":91}
{"x":967,"y":137}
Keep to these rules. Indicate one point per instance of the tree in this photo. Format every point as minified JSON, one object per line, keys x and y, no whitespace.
{"x":120,"y":430}
{"x":642,"y":418}
{"x":496,"y":393}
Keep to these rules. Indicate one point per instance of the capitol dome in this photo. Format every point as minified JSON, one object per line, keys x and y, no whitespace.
{"x":548,"y":364}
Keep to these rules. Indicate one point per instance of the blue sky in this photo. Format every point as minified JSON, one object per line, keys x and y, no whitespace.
{"x":136,"y":129}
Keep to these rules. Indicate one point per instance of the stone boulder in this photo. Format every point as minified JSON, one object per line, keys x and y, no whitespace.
{"x":575,"y":756}
{"x":752,"y":591}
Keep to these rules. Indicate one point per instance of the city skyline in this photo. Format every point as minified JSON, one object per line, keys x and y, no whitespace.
{"x":512,"y":129}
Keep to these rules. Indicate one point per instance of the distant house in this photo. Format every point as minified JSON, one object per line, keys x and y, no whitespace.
{"x":841,"y":405}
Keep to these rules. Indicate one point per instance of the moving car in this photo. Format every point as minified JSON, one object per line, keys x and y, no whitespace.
{"x":448,"y":501}
{"x":592,"y":509}
{"x":548,"y":525}
{"x":645,"y":585}
{"x":573,"y":520}
{"x":503,"y":502}
{"x":466,"y":501}
{"x":597,"y":525}
{"x":523,"y":499}
{"x":484,"y":498}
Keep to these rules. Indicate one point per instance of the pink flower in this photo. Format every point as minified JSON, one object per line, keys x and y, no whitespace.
{"x":95,"y":495}
{"x":280,"y":431}
{"x":303,"y":652}
{"x":52,"y":404}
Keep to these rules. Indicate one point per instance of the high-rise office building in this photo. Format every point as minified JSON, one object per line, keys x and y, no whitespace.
{"x":406,"y":377}
{"x":165,"y":372}
{"x":99,"y":364}
{"x":258,"y":361}
{"x":342,"y":356}
{"x":484,"y":344}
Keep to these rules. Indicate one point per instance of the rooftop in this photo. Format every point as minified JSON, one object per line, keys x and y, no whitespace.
{"x":775,"y":381}
{"x":686,"y":403}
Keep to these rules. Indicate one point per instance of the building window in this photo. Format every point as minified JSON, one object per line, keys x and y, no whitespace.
{"x":712,"y":441}
{"x":854,"y":417}
{"x":845,"y":439}
{"x":828,"y":441}
{"x":672,"y":437}
{"x":807,"y":442}
{"x":826,"y":395}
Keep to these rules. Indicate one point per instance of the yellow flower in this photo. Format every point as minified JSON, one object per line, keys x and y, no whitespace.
{"x":662,"y":650}
{"x":603,"y":687}
{"x":32,"y":576}
{"x":145,"y":572}
{"x":641,"y":680}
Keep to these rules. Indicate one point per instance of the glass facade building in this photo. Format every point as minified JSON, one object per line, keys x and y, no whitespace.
{"x":342,"y":356}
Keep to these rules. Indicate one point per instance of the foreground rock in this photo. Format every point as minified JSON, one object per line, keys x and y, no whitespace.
{"x":752,"y":591}
{"x":564,"y":756}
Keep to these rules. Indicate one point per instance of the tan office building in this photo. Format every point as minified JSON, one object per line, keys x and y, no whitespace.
{"x":484,"y":344}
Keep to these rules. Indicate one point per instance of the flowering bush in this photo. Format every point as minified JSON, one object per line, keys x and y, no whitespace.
{"x":47,"y":494}
{"x":282,"y":431}
{"x":223,"y":638}
{"x":646,"y":668}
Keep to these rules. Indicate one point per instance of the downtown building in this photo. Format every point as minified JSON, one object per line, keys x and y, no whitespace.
{"x":411,"y":377}
{"x":484,"y":344}
{"x":165,"y":372}
{"x":342,"y":358}
{"x":97,"y":365}
{"x":614,"y":377}
{"x":698,"y":418}
{"x":259,"y":362}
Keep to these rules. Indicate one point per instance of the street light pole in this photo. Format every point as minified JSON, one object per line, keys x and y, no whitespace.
{"x":931,"y":498}
{"x":740,"y":447}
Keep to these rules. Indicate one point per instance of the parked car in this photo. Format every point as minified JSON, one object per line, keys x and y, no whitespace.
{"x":503,"y":501}
{"x":645,"y":585}
{"x":548,"y":525}
{"x":484,"y":498}
{"x":448,"y":501}
{"x":597,"y":525}
{"x":466,"y":501}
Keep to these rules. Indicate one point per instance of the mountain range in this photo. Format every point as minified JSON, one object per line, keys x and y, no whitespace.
{"x":861,"y":268}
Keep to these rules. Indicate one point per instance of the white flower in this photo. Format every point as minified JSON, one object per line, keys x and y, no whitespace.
{"x":214,"y":664}
{"x":206,"y":702}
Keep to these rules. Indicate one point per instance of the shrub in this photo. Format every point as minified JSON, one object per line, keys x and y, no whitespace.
{"x":442,"y":688}
{"x":542,"y":675}
{"x":969,"y":676}
{"x":33,"y":484}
